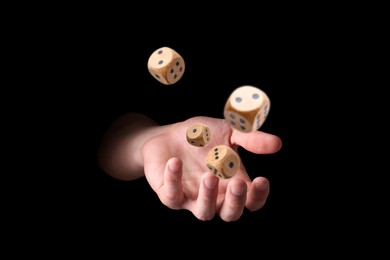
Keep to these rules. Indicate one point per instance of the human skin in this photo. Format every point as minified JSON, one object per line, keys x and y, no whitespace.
{"x":135,"y":146}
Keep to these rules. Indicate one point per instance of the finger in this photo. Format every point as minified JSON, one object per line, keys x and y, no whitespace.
{"x":207,"y":198}
{"x":257,"y":142}
{"x":171,"y":193}
{"x":257,"y":194}
{"x":234,"y":203}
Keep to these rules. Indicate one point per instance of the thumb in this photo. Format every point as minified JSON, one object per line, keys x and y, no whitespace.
{"x":257,"y":142}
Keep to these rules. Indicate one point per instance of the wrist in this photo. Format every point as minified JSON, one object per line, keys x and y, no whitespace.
{"x":120,"y":153}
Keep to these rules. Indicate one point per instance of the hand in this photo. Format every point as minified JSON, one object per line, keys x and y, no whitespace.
{"x":177,"y":172}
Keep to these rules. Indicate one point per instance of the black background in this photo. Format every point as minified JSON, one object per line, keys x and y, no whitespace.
{"x":88,"y":68}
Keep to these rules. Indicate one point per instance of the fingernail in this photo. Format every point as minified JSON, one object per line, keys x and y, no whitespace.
{"x":237,"y":190}
{"x":261,"y":186}
{"x":173,"y":167}
{"x":210,"y":182}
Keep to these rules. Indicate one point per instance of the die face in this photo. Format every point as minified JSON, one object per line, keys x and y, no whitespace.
{"x":166,"y":65}
{"x":247,"y":98}
{"x":198,"y":135}
{"x":216,"y":172}
{"x":265,"y":110}
{"x":230,"y":165}
{"x":160,"y":58}
{"x":196,"y":143}
{"x":206,"y":135}
{"x":223,"y":161}
{"x":238,"y":121}
{"x":247,"y":108}
{"x":262,"y":116}
{"x":175,"y":70}
{"x":216,"y":155}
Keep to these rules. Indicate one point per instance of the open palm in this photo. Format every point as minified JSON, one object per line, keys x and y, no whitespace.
{"x":177,"y":171}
